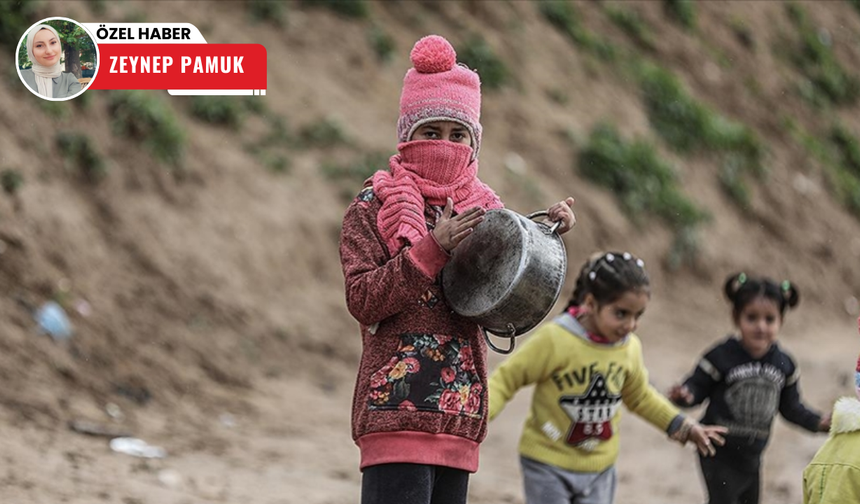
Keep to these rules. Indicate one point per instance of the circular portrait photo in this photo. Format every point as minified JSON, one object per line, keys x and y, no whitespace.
{"x":57,"y":59}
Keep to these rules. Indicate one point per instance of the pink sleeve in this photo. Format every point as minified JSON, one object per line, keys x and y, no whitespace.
{"x":378,"y":287}
{"x":429,"y":256}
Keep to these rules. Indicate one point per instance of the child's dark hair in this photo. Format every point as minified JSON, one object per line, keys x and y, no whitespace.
{"x":742,"y":289}
{"x":608,"y":276}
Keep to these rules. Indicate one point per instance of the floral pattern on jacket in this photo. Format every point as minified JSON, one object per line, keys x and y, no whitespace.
{"x":430,"y":372}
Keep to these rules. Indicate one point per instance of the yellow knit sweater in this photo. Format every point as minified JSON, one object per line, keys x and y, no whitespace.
{"x":579,"y":387}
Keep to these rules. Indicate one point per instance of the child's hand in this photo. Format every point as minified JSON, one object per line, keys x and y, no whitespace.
{"x":680,"y":394}
{"x":450,"y":231}
{"x":705,"y":436}
{"x":824,"y":424}
{"x":563,"y":212}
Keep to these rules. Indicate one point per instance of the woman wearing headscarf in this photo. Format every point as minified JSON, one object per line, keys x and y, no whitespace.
{"x":46,"y":76}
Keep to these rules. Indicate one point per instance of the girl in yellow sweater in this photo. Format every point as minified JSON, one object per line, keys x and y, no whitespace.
{"x":585,"y":364}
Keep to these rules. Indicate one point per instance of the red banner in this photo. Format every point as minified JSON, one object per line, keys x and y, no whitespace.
{"x":181,"y":66}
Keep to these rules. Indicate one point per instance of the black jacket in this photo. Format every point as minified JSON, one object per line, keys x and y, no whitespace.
{"x":744,"y":395}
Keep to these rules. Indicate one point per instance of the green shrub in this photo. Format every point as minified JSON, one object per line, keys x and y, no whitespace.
{"x":325,"y":132}
{"x":632,"y":24}
{"x":478,"y":55}
{"x":732,"y":180}
{"x":382,"y":43}
{"x":270,"y":149}
{"x":558,"y":95}
{"x":682,"y":11}
{"x":827,"y":81}
{"x":272,"y":11}
{"x":59,"y":110}
{"x":680,"y":120}
{"x":279,"y":133}
{"x":687,"y":126}
{"x":134,"y":16}
{"x":144,"y":118}
{"x":97,"y":7}
{"x":563,"y":16}
{"x":742,"y":32}
{"x":15,"y":18}
{"x":685,"y":248}
{"x":79,"y":153}
{"x":277,"y":163}
{"x":348,"y":8}
{"x":221,"y":110}
{"x":839,"y":154}
{"x":11,"y":181}
{"x":644,"y":184}
{"x":640,"y":179}
{"x":844,"y":172}
{"x":848,"y":148}
{"x":847,"y":170}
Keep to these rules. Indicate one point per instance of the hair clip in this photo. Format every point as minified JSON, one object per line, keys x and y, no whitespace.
{"x":742,"y":278}
{"x":640,"y":263}
{"x":610,"y":257}
{"x":627,"y":256}
{"x":785,"y":286}
{"x":592,"y":275}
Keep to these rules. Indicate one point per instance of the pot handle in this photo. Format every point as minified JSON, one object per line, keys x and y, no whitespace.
{"x":511,"y":334}
{"x":539,"y":213}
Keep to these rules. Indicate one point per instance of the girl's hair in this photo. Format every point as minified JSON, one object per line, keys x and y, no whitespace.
{"x":608,"y":276}
{"x":742,"y":290}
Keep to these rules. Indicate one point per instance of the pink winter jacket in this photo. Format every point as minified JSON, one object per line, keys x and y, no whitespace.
{"x":421,"y":391}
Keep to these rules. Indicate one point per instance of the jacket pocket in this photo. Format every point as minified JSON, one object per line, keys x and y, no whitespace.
{"x":429,"y":372}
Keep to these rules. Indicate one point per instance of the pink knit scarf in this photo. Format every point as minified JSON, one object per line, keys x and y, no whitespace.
{"x":431,"y":171}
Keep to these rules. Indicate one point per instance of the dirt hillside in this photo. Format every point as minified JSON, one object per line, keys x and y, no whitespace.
{"x":204,"y":286}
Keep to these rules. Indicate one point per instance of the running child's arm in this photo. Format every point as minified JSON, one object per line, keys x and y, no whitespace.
{"x":378,"y":287}
{"x":645,"y":401}
{"x":704,"y":436}
{"x":698,"y":386}
{"x":530,"y":363}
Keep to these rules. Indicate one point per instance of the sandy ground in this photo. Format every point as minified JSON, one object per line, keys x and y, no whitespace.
{"x":291,"y":443}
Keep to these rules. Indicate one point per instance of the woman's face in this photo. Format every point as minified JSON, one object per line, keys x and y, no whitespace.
{"x":46,"y":47}
{"x":759,"y":323}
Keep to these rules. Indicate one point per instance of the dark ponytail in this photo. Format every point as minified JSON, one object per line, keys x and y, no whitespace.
{"x":741,"y":290}
{"x":608,"y":276}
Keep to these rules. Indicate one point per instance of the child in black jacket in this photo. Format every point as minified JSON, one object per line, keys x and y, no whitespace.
{"x":747,"y":379}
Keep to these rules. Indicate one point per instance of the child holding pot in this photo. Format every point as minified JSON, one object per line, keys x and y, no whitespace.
{"x":420,"y":405}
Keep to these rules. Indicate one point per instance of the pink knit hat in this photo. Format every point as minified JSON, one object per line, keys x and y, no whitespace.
{"x":439,"y":89}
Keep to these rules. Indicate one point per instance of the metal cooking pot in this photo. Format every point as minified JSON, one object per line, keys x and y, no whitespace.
{"x":507,"y":275}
